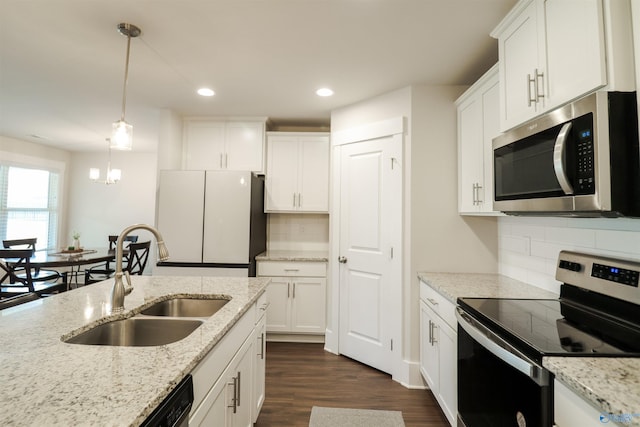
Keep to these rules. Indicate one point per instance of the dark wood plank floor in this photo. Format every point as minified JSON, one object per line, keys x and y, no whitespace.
{"x":300,"y":376}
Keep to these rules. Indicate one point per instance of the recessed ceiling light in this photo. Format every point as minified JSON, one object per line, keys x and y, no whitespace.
{"x":325,"y":91}
{"x":205,"y":92}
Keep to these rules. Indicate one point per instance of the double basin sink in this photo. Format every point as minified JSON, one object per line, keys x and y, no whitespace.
{"x":162,"y":323}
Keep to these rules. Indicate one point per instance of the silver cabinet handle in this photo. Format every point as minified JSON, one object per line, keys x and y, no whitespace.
{"x":294,"y":290}
{"x":530,"y":81}
{"x":434,"y":341}
{"x":238,"y":389}
{"x":342,"y":260}
{"x":299,"y":200}
{"x":430,"y":332}
{"x":220,"y":160}
{"x":559,"y":150}
{"x":261,"y":339}
{"x":226,"y":161}
{"x":234,"y":399}
{"x":432,"y":301}
{"x":294,"y":200}
{"x":478,"y":187}
{"x":288,"y":290}
{"x":473,"y":192}
{"x":538,"y":77}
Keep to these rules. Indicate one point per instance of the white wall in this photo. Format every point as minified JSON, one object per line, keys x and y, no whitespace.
{"x":298,"y":232}
{"x":529,"y":247}
{"x":97,"y":210}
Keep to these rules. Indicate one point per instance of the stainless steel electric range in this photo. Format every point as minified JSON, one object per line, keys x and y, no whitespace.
{"x":501,"y":342}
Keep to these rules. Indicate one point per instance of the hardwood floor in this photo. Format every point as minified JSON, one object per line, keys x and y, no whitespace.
{"x":300,"y":376}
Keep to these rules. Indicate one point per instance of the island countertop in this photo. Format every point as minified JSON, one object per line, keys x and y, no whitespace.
{"x":45,"y":381}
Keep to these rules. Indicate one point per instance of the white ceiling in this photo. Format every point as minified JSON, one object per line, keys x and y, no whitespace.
{"x":62,"y":61}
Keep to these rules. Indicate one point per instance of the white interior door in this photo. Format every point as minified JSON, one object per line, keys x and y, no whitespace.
{"x":370,"y":223}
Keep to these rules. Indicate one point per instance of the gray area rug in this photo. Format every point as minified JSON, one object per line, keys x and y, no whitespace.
{"x":341,"y":417}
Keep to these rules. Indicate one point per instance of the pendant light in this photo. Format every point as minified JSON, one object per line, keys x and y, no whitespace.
{"x":113,"y":175}
{"x":122,"y":132}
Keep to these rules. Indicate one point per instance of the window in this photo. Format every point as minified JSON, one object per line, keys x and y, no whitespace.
{"x":29,"y":204}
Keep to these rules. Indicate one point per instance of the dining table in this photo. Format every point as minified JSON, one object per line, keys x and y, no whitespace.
{"x":57,"y":259}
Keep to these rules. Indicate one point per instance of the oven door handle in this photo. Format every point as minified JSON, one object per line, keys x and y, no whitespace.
{"x":559,"y":164}
{"x":502,"y":349}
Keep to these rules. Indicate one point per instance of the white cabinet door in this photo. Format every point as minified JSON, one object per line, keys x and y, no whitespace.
{"x":428,"y":350}
{"x":313,"y":174}
{"x":575,"y":48}
{"x":204,"y":145}
{"x":259,"y":367}
{"x":471,"y":157}
{"x":297,"y":177}
{"x":244,"y":145}
{"x":180,"y":213}
{"x":520,"y":72}
{"x":282,"y":174}
{"x":216,"y":413}
{"x":308,"y":297}
{"x":448,"y":367}
{"x":478,"y":124}
{"x":224,"y":145}
{"x":240,"y":405}
{"x":279,"y":311}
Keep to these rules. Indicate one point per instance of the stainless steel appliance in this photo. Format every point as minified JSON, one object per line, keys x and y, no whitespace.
{"x":501,"y":342}
{"x":579,"y":160}
{"x":174,"y":409}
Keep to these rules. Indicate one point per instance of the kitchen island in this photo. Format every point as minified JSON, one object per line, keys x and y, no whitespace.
{"x":45,"y":381}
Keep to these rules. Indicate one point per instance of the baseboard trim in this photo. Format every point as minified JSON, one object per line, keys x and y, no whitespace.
{"x":303,"y":338}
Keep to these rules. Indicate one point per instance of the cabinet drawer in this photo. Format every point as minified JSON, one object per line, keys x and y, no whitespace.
{"x":292,"y":268}
{"x":442,"y":306}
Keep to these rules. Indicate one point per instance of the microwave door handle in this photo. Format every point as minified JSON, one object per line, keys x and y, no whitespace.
{"x":559,"y":166}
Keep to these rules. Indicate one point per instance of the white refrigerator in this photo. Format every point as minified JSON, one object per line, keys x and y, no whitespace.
{"x":213,"y":222}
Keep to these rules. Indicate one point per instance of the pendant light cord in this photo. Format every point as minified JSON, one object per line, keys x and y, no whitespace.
{"x":126,"y":78}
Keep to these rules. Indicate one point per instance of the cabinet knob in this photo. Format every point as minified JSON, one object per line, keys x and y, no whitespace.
{"x":342,"y":260}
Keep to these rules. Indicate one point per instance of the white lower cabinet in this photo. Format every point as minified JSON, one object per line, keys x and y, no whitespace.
{"x":297,"y":296}
{"x":260,"y":357}
{"x":438,"y":349}
{"x":226,"y":380}
{"x":569,"y":409}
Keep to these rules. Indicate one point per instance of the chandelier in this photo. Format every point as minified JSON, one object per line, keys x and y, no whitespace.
{"x":113,"y":175}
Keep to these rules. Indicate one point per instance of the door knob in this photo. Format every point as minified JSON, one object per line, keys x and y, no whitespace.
{"x":342,"y":260}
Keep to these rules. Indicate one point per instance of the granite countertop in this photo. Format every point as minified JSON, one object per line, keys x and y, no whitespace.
{"x":612,"y":385}
{"x":44,"y":381}
{"x":300,"y":256}
{"x":482,"y":285}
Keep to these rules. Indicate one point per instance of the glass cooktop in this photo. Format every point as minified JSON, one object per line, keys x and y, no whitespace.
{"x":552,"y":327}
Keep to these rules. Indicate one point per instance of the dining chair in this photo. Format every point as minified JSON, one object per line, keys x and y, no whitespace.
{"x":16,"y":275}
{"x":37,"y":274}
{"x":138,"y":257}
{"x":105,"y":271}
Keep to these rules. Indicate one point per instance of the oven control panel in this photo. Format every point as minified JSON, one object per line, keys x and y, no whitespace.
{"x":616,"y":277}
{"x":615,"y":274}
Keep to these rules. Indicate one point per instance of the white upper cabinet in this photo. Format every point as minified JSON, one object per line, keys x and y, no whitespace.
{"x":297,"y":178}
{"x":224,"y":145}
{"x":554,"y":51}
{"x":478,"y":124}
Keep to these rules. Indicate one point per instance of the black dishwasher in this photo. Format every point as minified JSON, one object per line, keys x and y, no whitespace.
{"x":174,"y":410}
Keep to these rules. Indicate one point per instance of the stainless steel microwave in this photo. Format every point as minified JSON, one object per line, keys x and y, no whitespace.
{"x":581,"y":159}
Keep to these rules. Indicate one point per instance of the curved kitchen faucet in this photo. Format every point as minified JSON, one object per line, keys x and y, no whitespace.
{"x":119,"y":291}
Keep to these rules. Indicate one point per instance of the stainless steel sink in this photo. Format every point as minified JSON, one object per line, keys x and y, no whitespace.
{"x":137,"y":332}
{"x":185,"y":307}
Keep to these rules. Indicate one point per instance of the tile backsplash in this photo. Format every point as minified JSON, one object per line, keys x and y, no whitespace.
{"x":528,"y":247}
{"x":298,"y":232}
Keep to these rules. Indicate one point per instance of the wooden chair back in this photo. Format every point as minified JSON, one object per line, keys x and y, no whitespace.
{"x":138,"y":257}
{"x":15,"y":269}
{"x":29,"y":243}
{"x":127,"y":239}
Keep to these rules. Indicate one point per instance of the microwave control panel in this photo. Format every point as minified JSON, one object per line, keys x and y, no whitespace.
{"x":585,"y":173}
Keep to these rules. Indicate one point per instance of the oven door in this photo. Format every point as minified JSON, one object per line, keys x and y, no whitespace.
{"x":498,"y":386}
